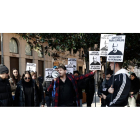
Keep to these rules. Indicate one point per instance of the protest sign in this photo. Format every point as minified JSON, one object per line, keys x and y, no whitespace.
{"x":116,"y":48}
{"x":72,"y":63}
{"x":69,"y":70}
{"x":48,"y":74}
{"x":94,"y":60}
{"x":104,"y":41}
{"x":31,"y":67}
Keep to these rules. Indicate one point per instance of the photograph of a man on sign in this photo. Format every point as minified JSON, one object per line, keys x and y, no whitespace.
{"x":95,"y":62}
{"x":104,"y":41}
{"x":115,"y":50}
{"x":105,"y":48}
{"x":49,"y":75}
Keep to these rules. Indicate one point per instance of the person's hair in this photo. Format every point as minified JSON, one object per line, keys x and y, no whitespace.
{"x":133,"y":74}
{"x":36,"y":80}
{"x":120,"y":64}
{"x":13,"y":77}
{"x":109,"y":71}
{"x":76,"y":72}
{"x":62,"y":66}
{"x":26,"y":72}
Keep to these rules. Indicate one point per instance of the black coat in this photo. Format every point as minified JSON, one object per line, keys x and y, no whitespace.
{"x":41,"y":94}
{"x":45,"y":85}
{"x":20,"y":96}
{"x":5,"y":93}
{"x":40,"y":79}
{"x":135,"y":85}
{"x":121,"y":87}
{"x":90,"y":86}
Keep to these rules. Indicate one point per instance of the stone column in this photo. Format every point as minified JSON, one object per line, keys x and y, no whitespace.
{"x":22,"y":65}
{"x":7,"y":62}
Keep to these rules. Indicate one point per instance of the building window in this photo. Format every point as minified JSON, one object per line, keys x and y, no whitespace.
{"x":40,"y":53}
{"x":13,"y":46}
{"x":28,"y":50}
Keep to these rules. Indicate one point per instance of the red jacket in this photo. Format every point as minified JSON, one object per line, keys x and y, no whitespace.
{"x":74,"y":80}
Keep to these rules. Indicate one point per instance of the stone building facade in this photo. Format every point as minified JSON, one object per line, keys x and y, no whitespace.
{"x":17,"y":53}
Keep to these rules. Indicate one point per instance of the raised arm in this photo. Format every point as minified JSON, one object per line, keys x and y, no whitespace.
{"x":84,"y":76}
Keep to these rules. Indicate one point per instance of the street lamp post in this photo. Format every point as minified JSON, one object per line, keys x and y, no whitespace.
{"x":2,"y":60}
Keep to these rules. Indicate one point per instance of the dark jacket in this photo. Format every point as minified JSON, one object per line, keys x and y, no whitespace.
{"x":40,"y":79}
{"x":121,"y":87}
{"x":5,"y":93}
{"x":45,"y":85}
{"x":20,"y":96}
{"x":74,"y":80}
{"x":41,"y":94}
{"x":90,"y":86}
{"x":135,"y":86}
{"x":103,"y":88}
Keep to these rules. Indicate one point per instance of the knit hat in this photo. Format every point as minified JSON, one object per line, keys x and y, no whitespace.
{"x":3,"y":69}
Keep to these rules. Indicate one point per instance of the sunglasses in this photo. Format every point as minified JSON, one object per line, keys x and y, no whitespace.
{"x":27,"y":78}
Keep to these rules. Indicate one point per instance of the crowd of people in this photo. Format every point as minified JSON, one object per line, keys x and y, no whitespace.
{"x":115,"y":90}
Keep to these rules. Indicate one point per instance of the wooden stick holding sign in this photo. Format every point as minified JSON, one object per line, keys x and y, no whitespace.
{"x":95,"y":64}
{"x":115,"y":52}
{"x":104,"y":41}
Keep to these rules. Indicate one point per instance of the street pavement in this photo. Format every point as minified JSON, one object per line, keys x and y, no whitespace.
{"x":98,"y":104}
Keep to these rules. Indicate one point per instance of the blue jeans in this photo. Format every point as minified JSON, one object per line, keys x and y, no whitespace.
{"x":53,"y":101}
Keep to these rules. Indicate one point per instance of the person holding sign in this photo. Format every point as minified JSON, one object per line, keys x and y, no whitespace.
{"x":118,"y":92}
{"x":115,"y":50}
{"x":95,"y":62}
{"x":103,"y":87}
{"x":66,"y":94}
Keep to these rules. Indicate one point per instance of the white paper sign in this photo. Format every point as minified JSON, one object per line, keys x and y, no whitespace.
{"x":31,"y":67}
{"x":69,"y":70}
{"x":72,"y":63}
{"x":48,"y":74}
{"x":116,"y":48}
{"x":94,"y":60}
{"x":104,"y":41}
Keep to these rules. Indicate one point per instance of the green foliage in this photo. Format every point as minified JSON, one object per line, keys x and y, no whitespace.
{"x":66,"y":41}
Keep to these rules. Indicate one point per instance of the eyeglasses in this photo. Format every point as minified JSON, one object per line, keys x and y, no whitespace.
{"x":27,"y":78}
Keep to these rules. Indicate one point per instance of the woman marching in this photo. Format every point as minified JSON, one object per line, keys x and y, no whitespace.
{"x":26,"y":94}
{"x":39,"y":88}
{"x":13,"y":82}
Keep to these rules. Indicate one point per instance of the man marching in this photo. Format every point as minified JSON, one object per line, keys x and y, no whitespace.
{"x":119,"y":92}
{"x":66,"y":88}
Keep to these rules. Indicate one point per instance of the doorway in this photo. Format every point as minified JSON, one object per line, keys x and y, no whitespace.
{"x":41,"y":68}
{"x":14,"y":63}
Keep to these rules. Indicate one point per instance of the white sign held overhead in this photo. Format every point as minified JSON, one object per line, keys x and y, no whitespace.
{"x":104,"y":41}
{"x":116,"y":48}
{"x":94,"y":60}
{"x":31,"y":67}
{"x":72,"y":63}
{"x":48,"y":74}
